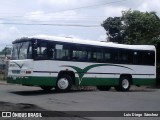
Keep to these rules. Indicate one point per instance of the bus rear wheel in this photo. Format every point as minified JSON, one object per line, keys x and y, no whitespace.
{"x":124,"y":84}
{"x":104,"y":88}
{"x":64,"y":83}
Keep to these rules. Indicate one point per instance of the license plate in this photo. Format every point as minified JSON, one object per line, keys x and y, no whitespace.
{"x":16,"y":71}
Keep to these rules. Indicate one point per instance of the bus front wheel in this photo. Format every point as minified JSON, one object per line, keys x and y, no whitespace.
{"x":64,"y":83}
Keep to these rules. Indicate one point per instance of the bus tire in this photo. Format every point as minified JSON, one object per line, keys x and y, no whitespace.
{"x":64,"y":83}
{"x":124,"y":84}
{"x":46,"y":88}
{"x":103,"y":88}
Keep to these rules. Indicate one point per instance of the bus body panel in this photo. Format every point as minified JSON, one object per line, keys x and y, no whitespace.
{"x":46,"y":73}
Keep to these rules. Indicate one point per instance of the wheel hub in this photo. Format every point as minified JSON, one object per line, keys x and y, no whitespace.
{"x":125,"y":83}
{"x":63,"y":83}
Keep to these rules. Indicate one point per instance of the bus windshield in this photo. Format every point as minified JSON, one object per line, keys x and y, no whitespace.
{"x":22,"y":50}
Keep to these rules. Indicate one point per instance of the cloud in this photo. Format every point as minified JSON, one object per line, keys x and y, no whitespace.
{"x":112,"y":11}
{"x":102,"y":38}
{"x":8,"y":34}
{"x":68,"y":3}
{"x":58,"y":2}
{"x":51,"y":17}
{"x":149,"y":5}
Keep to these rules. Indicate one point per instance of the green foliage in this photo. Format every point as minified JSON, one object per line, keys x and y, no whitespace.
{"x":114,"y":28}
{"x":141,"y":28}
{"x":5,"y":51}
{"x":133,"y":27}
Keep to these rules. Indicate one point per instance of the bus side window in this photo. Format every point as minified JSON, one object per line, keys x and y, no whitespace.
{"x":80,"y":53}
{"x":83,"y":55}
{"x":41,"y":51}
{"x":123,"y":56}
{"x":107,"y":57}
{"x":29,"y":52}
{"x":99,"y":56}
{"x":51,"y":53}
{"x":137,"y":58}
{"x":62,"y":52}
{"x":115,"y":56}
{"x":74,"y":55}
{"x":94,"y":57}
{"x":148,"y":58}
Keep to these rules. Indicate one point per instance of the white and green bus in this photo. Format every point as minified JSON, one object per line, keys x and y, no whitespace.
{"x":59,"y":62}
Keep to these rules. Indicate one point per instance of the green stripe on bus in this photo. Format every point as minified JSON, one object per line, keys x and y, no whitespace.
{"x":33,"y":81}
{"x":99,"y":81}
{"x":144,"y":81}
{"x":51,"y":81}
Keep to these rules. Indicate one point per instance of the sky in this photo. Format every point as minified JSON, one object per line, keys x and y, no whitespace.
{"x":68,"y":18}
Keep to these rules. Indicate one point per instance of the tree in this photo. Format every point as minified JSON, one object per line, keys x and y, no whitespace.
{"x":133,"y":27}
{"x":5,"y":51}
{"x":114,"y":29}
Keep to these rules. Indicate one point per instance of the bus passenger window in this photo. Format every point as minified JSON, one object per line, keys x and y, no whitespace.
{"x":41,"y":51}
{"x":83,"y":56}
{"x":107,"y":57}
{"x":62,"y":52}
{"x":51,"y":53}
{"x":99,"y":57}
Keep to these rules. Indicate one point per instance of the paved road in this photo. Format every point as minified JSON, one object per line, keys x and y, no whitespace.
{"x":138,"y":99}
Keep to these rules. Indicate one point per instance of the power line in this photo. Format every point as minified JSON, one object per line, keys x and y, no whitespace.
{"x":61,"y":18}
{"x":52,"y":24}
{"x":47,"y":24}
{"x":83,"y":7}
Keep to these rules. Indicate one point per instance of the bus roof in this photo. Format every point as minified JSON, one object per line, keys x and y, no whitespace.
{"x":90,"y":42}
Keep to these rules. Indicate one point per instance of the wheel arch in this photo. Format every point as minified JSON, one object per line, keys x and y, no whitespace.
{"x":128,"y":76}
{"x":70,"y":73}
